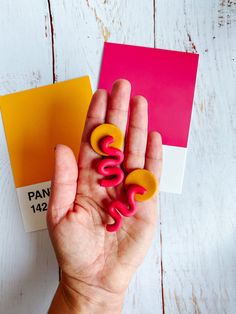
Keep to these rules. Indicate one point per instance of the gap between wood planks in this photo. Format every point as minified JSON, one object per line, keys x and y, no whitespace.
{"x":161,"y":268}
{"x":54,"y":78}
{"x":154,"y":23}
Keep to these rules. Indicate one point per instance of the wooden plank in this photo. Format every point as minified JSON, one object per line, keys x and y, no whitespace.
{"x":198,"y":227}
{"x":28,"y":269}
{"x":80,"y":29}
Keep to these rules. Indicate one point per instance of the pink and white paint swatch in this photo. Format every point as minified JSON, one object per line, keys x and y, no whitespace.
{"x":167,"y":79}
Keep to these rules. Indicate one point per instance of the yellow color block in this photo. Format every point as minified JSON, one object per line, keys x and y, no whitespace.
{"x":38,"y":119}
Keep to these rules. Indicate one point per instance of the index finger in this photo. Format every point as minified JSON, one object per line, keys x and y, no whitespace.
{"x":96,"y":115}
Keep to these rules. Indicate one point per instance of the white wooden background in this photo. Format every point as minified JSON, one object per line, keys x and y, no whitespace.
{"x":191,"y":267}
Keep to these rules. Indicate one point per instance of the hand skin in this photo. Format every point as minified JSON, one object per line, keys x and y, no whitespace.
{"x":96,"y":265}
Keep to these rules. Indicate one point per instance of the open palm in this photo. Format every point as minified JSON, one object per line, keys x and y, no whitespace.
{"x":88,"y":255}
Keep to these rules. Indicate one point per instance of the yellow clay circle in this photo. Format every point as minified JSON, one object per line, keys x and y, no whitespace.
{"x":103,"y":130}
{"x":144,"y":178}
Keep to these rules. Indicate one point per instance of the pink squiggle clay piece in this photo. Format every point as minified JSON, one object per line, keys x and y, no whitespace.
{"x":116,"y":208}
{"x":109,"y":166}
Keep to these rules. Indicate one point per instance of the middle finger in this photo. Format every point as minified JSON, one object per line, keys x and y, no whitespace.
{"x":118,"y":105}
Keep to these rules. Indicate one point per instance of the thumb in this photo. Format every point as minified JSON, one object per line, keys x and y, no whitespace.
{"x":64,"y":184}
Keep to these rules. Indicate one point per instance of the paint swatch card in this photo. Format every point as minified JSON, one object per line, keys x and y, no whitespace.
{"x":34,"y":122}
{"x":167,"y":79}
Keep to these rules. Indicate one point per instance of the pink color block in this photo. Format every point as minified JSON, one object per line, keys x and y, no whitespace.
{"x":166,"y":78}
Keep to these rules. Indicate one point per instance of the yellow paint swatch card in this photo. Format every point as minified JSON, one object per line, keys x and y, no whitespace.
{"x":34,"y":122}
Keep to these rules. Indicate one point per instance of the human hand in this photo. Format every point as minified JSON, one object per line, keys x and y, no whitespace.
{"x":97,"y":265}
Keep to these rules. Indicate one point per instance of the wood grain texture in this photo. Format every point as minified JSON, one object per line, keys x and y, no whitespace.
{"x":80,"y":29}
{"x":28,"y":270}
{"x":198,"y":228}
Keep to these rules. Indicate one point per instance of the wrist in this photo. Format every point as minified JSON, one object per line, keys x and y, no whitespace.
{"x":78,"y":297}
